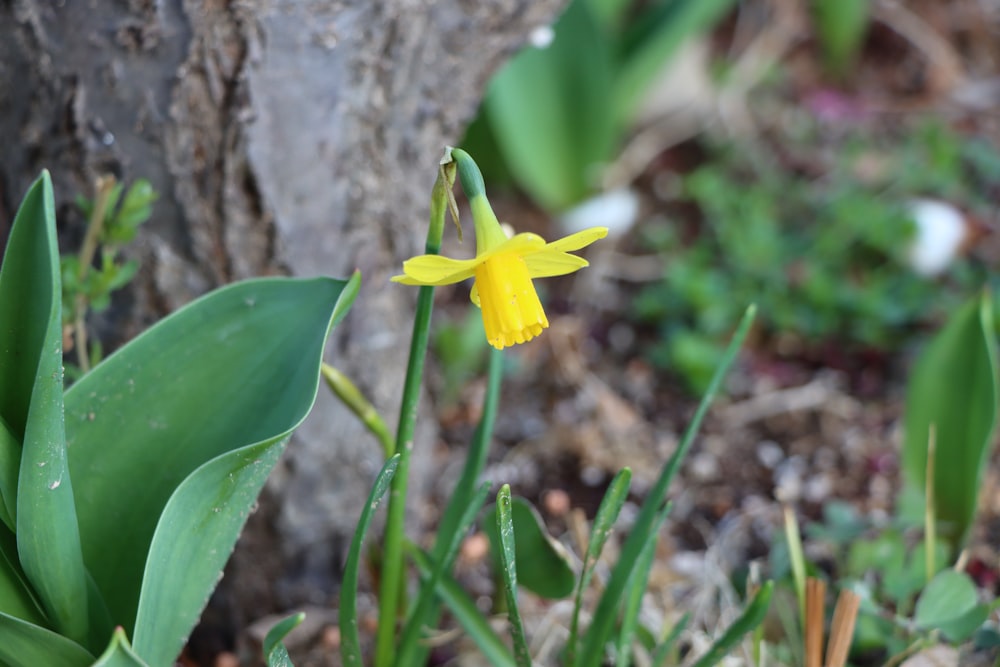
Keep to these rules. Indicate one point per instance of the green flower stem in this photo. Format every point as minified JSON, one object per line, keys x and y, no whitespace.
{"x":95,"y":227}
{"x":464,"y":491}
{"x":392,"y":569}
{"x":352,"y":397}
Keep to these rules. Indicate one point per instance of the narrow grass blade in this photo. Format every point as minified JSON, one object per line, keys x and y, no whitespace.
{"x":636,"y":589}
{"x":664,"y":651}
{"x":467,"y":614}
{"x":274,"y":648}
{"x":607,"y":514}
{"x":798,"y":561}
{"x":350,"y":639}
{"x":751,"y":617}
{"x":604,"y":617}
{"x":543,"y":564}
{"x":420,"y":616}
{"x":505,"y":524}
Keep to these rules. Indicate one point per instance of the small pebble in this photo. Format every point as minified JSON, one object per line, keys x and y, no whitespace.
{"x":769,"y":453}
{"x":556,"y":502}
{"x":331,"y":637}
{"x":475,"y":547}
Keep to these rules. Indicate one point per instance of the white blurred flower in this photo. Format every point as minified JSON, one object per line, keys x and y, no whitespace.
{"x":617,"y":210}
{"x":941,"y":230}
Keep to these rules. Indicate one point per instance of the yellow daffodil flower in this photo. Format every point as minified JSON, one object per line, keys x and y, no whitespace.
{"x":503,"y":267}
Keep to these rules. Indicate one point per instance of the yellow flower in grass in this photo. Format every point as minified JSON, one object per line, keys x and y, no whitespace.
{"x":503,"y":267}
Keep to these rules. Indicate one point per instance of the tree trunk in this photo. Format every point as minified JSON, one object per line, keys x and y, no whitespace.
{"x":293,"y":136}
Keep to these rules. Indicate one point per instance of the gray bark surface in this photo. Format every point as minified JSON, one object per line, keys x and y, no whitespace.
{"x":293,"y":136}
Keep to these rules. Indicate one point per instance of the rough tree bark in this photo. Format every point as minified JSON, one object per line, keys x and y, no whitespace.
{"x":285,"y":136}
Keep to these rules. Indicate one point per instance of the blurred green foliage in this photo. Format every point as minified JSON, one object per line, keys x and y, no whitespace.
{"x":823,"y":255}
{"x":556,"y":114}
{"x":841,"y":26}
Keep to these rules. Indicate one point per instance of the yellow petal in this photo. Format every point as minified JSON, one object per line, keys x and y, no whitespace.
{"x":547,"y":264}
{"x":578,"y":240}
{"x":436,"y":270}
{"x":511,"y":310}
{"x":519,"y":244}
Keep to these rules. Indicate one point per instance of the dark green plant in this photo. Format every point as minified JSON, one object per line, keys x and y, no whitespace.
{"x":554,"y":116}
{"x":113,"y":222}
{"x":825,"y":258}
{"x":122,"y":497}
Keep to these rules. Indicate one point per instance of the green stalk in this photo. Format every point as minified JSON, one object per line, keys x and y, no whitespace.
{"x":475,"y":461}
{"x":392,"y":568}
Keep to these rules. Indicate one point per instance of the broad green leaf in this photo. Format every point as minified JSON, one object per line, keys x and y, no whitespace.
{"x":607,"y":607}
{"x":954,"y":387}
{"x":10,"y":462}
{"x":31,"y":404}
{"x":656,"y":37}
{"x":950,"y":603}
{"x":28,"y":645}
{"x":236,"y":368}
{"x":350,"y":639}
{"x":16,"y":596}
{"x":274,"y":649}
{"x":543,"y":566}
{"x":465,"y":611}
{"x":119,"y":653}
{"x":550,"y":109}
{"x":508,"y":563}
{"x":751,"y":617}
{"x":195,"y":536}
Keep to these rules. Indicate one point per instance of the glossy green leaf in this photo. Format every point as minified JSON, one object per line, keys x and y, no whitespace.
{"x":28,"y":645}
{"x":31,"y":404}
{"x":605,"y":615}
{"x":508,"y":567}
{"x":274,"y":649}
{"x":607,"y":513}
{"x":551,"y":113}
{"x":10,"y":463}
{"x":954,"y":387}
{"x":350,"y":638}
{"x":543,"y":566}
{"x":26,"y":292}
{"x":751,"y":617}
{"x":193,"y":540}
{"x":119,"y":653}
{"x":156,"y":429}
{"x":16,"y":596}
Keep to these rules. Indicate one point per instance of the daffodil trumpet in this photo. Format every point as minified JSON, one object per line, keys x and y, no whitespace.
{"x":503,"y":267}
